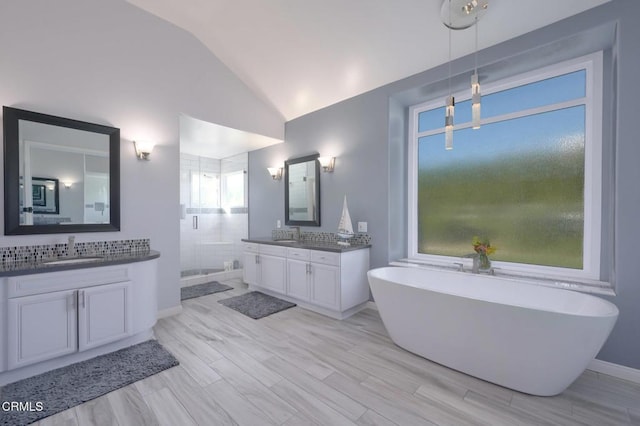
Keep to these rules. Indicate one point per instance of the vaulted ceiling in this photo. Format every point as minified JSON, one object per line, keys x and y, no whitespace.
{"x":301,"y":55}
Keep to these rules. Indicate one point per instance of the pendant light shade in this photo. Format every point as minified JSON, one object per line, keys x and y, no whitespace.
{"x":475,"y":88}
{"x":450,"y":101}
{"x":459,"y":15}
{"x":448,"y":122}
{"x":475,"y":101}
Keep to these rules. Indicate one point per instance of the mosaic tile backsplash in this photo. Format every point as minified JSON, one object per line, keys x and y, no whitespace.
{"x":319,"y":237}
{"x":32,"y":254}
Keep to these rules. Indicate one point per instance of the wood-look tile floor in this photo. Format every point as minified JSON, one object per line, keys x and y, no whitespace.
{"x":301,"y":368}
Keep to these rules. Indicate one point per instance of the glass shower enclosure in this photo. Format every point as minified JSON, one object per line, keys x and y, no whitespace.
{"x":213,"y":218}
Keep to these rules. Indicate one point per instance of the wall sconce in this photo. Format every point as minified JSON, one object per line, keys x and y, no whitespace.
{"x":143,"y":149}
{"x":328,"y":163}
{"x":67,"y":184}
{"x":275,"y":172}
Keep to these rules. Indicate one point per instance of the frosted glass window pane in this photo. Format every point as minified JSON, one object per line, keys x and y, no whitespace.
{"x":519,"y":183}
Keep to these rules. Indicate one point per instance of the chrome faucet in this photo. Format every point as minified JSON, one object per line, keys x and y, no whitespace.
{"x":297,"y":235}
{"x":71,"y":246}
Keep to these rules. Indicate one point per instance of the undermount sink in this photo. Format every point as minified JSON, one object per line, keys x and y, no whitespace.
{"x":71,"y":260}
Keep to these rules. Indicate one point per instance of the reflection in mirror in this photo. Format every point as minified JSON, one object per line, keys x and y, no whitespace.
{"x":44,"y":196}
{"x":84,"y":156}
{"x":302,"y":191}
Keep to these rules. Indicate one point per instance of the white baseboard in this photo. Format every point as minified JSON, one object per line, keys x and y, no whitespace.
{"x":216,"y":276}
{"x":615,"y":370}
{"x":169,"y":312}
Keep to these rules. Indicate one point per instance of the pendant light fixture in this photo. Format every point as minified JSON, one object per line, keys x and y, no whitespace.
{"x":450,"y":102}
{"x":475,"y":89}
{"x":459,"y":15}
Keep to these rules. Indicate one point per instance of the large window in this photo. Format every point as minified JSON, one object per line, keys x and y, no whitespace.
{"x":529,"y":179}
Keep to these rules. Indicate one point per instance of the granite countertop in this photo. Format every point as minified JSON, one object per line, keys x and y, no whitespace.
{"x":311,"y":245}
{"x":9,"y":269}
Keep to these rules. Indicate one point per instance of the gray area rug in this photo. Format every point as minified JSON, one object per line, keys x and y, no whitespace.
{"x":202,"y":290}
{"x":256,"y":305}
{"x":66,"y":387}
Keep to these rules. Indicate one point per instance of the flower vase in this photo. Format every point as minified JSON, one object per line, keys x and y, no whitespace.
{"x":483,"y":262}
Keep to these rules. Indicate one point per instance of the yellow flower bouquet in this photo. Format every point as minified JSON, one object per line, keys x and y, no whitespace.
{"x":483,"y":248}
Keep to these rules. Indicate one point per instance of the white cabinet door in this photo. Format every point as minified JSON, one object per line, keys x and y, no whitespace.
{"x":273,"y":272}
{"x":250,"y":268}
{"x":104,"y":314}
{"x":298,"y":279}
{"x":41,"y":327}
{"x":325,"y":285}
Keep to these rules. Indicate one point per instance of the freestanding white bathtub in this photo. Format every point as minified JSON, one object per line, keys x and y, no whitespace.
{"x":529,"y":338}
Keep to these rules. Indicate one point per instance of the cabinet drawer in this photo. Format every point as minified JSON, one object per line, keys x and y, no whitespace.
{"x":273,"y":250}
{"x":25,"y":285}
{"x":300,"y":254}
{"x":325,"y":257}
{"x":251,"y":247}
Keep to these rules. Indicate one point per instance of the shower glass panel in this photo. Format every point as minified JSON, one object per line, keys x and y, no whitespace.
{"x":214,"y":216}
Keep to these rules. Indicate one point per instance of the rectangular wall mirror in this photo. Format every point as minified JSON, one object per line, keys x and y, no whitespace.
{"x":60,"y":175}
{"x":302,"y":191}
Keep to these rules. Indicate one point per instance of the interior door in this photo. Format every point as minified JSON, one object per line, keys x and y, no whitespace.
{"x":200,"y":227}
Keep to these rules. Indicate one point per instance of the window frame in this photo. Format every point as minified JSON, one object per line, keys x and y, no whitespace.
{"x":592,"y":244}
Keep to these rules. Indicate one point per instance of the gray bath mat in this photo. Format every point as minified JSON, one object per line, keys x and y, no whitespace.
{"x":66,"y":387}
{"x":202,"y":290}
{"x":256,"y":305}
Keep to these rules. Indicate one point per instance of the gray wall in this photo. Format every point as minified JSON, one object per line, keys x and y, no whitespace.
{"x":108,"y":62}
{"x":368,"y":135}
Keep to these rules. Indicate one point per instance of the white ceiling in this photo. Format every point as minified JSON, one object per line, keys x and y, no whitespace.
{"x":302,"y":55}
{"x":211,"y":140}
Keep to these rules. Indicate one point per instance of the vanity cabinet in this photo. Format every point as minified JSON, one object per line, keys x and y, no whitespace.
{"x":49,"y":325}
{"x":251,"y":264}
{"x":273,"y":268}
{"x":298,"y":282}
{"x":325,"y":285}
{"x":58,"y":318}
{"x":41,"y":327}
{"x":331,"y":283}
{"x":104,"y":314}
{"x":265,"y":268}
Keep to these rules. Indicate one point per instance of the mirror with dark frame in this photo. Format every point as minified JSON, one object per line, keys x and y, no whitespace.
{"x":43,"y":152}
{"x":302,"y":191}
